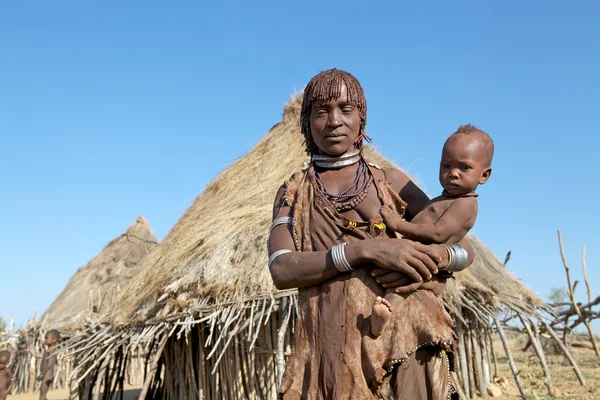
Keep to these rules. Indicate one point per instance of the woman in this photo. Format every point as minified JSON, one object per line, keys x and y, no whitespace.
{"x":327,"y":239}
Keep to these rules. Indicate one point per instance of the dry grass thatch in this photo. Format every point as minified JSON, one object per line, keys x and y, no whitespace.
{"x":89,"y":295}
{"x":217,"y":251}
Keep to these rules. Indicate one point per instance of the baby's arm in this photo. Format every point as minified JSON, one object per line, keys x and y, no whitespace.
{"x":459,"y":217}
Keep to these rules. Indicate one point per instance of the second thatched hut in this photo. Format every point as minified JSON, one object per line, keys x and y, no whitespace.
{"x":87,"y":299}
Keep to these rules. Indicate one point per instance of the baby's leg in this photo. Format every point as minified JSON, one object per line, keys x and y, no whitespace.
{"x":382,"y":311}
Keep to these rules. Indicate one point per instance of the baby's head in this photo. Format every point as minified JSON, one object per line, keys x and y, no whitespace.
{"x":466,"y":160}
{"x":4,"y":359}
{"x":51,"y":337}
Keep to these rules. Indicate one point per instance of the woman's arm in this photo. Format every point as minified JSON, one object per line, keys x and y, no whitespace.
{"x":299,"y":269}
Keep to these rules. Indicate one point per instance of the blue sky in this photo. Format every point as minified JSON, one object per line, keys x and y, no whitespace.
{"x":113,"y":109}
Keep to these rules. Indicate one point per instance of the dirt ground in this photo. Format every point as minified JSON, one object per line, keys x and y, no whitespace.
{"x":565,"y":382}
{"x":63,"y":394}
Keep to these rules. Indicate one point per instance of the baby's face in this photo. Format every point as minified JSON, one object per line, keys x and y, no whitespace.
{"x":463,"y":165}
{"x":3,"y":363}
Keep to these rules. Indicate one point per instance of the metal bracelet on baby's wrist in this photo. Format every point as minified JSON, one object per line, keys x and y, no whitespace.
{"x":457,"y":257}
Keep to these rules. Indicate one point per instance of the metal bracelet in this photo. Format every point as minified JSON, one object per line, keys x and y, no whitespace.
{"x":277,"y":254}
{"x":449,"y":258}
{"x":281,"y":221}
{"x":339,"y":258}
{"x":459,"y":257}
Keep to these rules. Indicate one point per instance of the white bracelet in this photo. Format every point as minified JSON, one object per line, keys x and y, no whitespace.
{"x":281,"y":221}
{"x":277,"y":254}
{"x":339,"y":258}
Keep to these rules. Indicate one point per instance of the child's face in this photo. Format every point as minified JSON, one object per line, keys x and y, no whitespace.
{"x":49,"y":339}
{"x":463,"y":165}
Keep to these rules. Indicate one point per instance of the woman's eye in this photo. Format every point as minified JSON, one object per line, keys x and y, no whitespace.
{"x":347,"y":110}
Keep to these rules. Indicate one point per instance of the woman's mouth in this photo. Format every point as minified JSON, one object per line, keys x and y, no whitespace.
{"x":335,"y":138}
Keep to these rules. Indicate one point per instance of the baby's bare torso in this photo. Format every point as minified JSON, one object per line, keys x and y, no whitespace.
{"x":438,"y":206}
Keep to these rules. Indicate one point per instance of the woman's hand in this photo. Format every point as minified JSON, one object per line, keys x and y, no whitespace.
{"x":406,"y":284}
{"x":398,"y":281}
{"x":417,"y":261}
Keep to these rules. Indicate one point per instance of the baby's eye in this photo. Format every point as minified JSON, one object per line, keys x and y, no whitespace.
{"x":465,"y":167}
{"x":445,"y":165}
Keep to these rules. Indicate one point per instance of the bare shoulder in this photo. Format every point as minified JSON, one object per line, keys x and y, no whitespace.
{"x":408,"y":191}
{"x":466,"y":202}
{"x":395,"y":178}
{"x":467,"y":207}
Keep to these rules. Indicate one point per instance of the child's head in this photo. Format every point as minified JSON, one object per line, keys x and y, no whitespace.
{"x":466,"y":160}
{"x":4,"y":359}
{"x":51,"y":337}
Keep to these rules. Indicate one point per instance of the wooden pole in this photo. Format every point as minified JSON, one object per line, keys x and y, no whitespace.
{"x":485,"y":356}
{"x":152,"y":369}
{"x":279,"y":357}
{"x":540,"y":353}
{"x":477,"y":361}
{"x":493,"y":352}
{"x":566,"y":352}
{"x":589,"y":293}
{"x":464,"y":369}
{"x":470,"y":365}
{"x":511,"y":362}
{"x":572,"y":293}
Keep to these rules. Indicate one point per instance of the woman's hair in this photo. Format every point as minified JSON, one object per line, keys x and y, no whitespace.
{"x":326,"y":86}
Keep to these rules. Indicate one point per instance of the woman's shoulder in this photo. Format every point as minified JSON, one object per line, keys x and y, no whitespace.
{"x":395,"y":178}
{"x":288,"y":189}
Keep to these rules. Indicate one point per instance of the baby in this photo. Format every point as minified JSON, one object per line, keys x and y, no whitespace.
{"x":7,"y":379}
{"x":466,"y":163}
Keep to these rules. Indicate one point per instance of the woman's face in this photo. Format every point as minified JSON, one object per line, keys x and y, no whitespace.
{"x":335,"y":125}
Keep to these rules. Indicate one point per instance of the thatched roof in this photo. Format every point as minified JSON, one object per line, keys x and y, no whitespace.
{"x":217,"y":250}
{"x":90,"y":294}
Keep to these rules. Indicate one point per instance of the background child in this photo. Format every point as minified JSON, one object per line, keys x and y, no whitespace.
{"x":465,"y":164}
{"x":49,"y":361}
{"x":6,"y":377}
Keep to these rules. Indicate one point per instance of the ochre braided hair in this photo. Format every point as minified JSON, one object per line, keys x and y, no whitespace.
{"x":326,"y":86}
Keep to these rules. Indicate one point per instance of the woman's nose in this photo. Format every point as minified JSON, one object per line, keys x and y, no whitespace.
{"x":335,"y":119}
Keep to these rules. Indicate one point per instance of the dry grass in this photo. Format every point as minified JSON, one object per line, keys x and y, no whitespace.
{"x":565,"y":382}
{"x":90,"y":293}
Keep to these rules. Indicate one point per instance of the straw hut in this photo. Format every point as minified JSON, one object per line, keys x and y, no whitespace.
{"x":90,"y":293}
{"x":205,"y":301}
{"x":87,"y":298}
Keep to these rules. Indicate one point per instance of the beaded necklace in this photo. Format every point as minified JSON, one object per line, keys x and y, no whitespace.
{"x":345,"y":201}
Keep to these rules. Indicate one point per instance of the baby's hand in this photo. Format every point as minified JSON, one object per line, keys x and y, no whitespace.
{"x":391,"y":218}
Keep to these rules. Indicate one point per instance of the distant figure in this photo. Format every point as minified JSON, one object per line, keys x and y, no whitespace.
{"x":465,"y":164}
{"x":48,"y":362}
{"x":7,"y":379}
